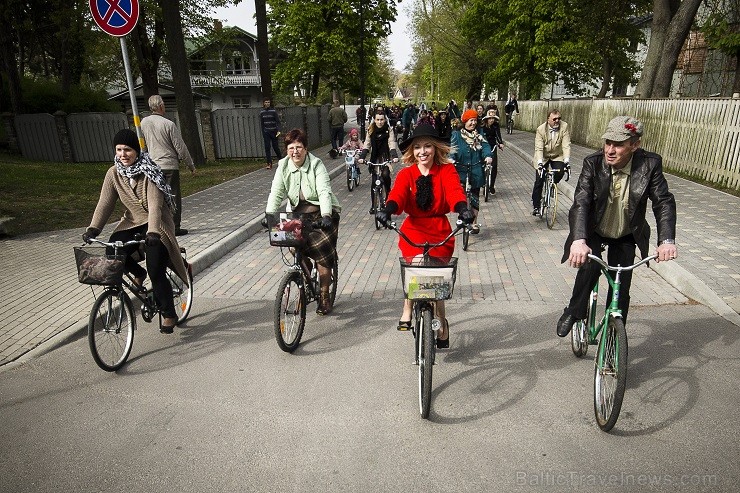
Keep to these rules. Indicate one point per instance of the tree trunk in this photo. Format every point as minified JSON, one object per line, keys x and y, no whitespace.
{"x":10,"y":67}
{"x":263,"y":52}
{"x":181,"y":79}
{"x":676,"y":35}
{"x":148,"y":54}
{"x":736,"y":83}
{"x":315,"y":84}
{"x":608,"y":68}
{"x":658,"y":28}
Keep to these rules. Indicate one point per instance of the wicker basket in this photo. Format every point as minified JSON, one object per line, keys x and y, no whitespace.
{"x":431,"y":279}
{"x":96,"y":267}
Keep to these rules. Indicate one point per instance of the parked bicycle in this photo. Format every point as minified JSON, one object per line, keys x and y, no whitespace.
{"x":300,"y":284}
{"x":549,"y":200}
{"x":425,"y":281}
{"x":379,"y":193}
{"x":610,"y":369}
{"x":112,"y":323}
{"x":353,"y":169}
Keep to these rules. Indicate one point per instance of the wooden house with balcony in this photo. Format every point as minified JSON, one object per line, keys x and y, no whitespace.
{"x":225,"y":66}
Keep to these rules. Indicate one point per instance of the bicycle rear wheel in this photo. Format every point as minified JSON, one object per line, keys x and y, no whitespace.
{"x":290,"y":311}
{"x":579,"y":335}
{"x":183,"y":294}
{"x":425,"y":340}
{"x":110,"y":330}
{"x":510,"y":126}
{"x":551,"y":206}
{"x":610,"y":376}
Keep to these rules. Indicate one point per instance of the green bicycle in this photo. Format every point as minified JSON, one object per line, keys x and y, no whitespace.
{"x":610,"y":369}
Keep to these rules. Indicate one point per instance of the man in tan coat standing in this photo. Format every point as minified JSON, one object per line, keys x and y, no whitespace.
{"x":337,"y":119}
{"x":551,"y":149}
{"x":166,"y":148}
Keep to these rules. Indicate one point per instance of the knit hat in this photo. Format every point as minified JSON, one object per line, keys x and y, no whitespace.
{"x":353,"y":131}
{"x":622,"y":128}
{"x":128,"y":138}
{"x":468,"y":114}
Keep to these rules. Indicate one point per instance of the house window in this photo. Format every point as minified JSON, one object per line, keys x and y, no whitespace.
{"x":241,"y":102}
{"x":236,"y":65}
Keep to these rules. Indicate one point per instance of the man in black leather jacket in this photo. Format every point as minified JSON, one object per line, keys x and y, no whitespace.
{"x":609,"y":208}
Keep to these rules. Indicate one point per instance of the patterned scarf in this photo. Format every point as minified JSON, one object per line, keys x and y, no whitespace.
{"x":149,"y":168}
{"x":473,"y":139}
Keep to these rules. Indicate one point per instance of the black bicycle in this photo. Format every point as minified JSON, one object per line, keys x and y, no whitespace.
{"x":300,"y":285}
{"x":488,"y":172}
{"x":379,"y":193}
{"x":510,"y":123}
{"x":110,"y":329}
{"x":426,"y":280}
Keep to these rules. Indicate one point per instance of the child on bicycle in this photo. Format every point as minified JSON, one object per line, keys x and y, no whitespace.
{"x":426,"y":190}
{"x":353,"y":141}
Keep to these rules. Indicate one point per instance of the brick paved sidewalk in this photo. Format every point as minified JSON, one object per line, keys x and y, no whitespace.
{"x":707,"y":234}
{"x":41,"y":298}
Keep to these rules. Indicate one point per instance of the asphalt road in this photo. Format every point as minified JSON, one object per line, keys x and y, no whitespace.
{"x":218,"y":407}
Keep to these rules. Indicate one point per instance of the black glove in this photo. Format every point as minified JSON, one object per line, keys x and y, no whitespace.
{"x":466,"y":216}
{"x":89,"y":234}
{"x":383,"y":217}
{"x":152,"y":240}
{"x":326,"y":223}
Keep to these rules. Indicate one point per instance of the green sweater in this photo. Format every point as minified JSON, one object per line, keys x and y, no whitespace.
{"x":311,"y":178}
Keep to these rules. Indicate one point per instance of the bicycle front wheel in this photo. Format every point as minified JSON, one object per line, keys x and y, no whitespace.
{"x":551,"y":206}
{"x":379,"y":204}
{"x":334,"y":279}
{"x":110,"y":330}
{"x":487,"y":185}
{"x":290,"y":311}
{"x":425,"y":340}
{"x":466,"y":238}
{"x":182,"y":293}
{"x":350,"y":180}
{"x":610,"y":374}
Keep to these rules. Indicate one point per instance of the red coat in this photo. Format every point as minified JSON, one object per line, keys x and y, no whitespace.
{"x":432,"y":225}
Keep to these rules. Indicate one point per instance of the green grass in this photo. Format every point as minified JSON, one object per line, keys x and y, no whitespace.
{"x":48,"y":196}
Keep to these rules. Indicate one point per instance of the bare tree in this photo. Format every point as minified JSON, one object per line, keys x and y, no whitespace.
{"x":672,"y":21}
{"x":181,"y":78}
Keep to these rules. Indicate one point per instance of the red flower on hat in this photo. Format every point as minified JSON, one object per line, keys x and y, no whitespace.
{"x":631,"y":127}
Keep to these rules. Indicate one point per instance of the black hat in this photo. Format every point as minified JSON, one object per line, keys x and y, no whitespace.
{"x":423,"y":130}
{"x":128,"y":138}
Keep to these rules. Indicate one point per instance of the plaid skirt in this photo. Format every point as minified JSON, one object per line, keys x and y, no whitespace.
{"x":321,"y":245}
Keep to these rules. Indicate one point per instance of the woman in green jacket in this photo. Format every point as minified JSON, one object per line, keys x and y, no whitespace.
{"x":302,"y":178}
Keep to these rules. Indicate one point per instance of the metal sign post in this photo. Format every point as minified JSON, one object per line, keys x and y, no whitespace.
{"x":118,"y":18}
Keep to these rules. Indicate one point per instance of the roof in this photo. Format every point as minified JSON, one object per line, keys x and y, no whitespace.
{"x":164,"y":90}
{"x":194,"y":45}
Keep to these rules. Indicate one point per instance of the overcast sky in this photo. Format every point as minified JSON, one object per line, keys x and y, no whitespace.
{"x":242,"y":16}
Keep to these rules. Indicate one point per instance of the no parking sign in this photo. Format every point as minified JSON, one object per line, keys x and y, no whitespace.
{"x":115,"y":17}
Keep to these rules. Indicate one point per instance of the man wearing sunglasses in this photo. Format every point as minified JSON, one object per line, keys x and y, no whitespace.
{"x":551,"y":149}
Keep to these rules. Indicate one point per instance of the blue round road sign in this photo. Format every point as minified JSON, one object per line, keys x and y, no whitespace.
{"x":115,"y":17}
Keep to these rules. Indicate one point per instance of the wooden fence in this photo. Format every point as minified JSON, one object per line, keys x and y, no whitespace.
{"x":698,"y":137}
{"x":86,"y":137}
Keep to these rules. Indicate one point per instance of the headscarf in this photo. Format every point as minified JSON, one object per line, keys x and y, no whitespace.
{"x":143,"y":164}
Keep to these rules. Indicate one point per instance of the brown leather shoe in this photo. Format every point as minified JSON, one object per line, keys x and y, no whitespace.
{"x":325,"y":307}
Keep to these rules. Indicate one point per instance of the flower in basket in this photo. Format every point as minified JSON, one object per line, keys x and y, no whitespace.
{"x":294,"y":226}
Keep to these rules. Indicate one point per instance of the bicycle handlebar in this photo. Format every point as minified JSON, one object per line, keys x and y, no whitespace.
{"x":606,"y":266}
{"x":426,"y":246}
{"x":116,"y":244}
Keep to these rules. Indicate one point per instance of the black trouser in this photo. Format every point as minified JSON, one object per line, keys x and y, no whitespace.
{"x":385,"y":178}
{"x":621,"y":251}
{"x":157,"y":260}
{"x":173,"y":179}
{"x":539,"y":181}
{"x":337,"y":137}
{"x":494,"y":171}
{"x":270,"y":139}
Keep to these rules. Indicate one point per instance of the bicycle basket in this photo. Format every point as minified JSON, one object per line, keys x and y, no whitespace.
{"x":433,"y":279}
{"x":94,"y":266}
{"x":286,"y":232}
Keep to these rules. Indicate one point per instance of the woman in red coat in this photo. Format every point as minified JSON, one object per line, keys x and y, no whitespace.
{"x":427,"y":190}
